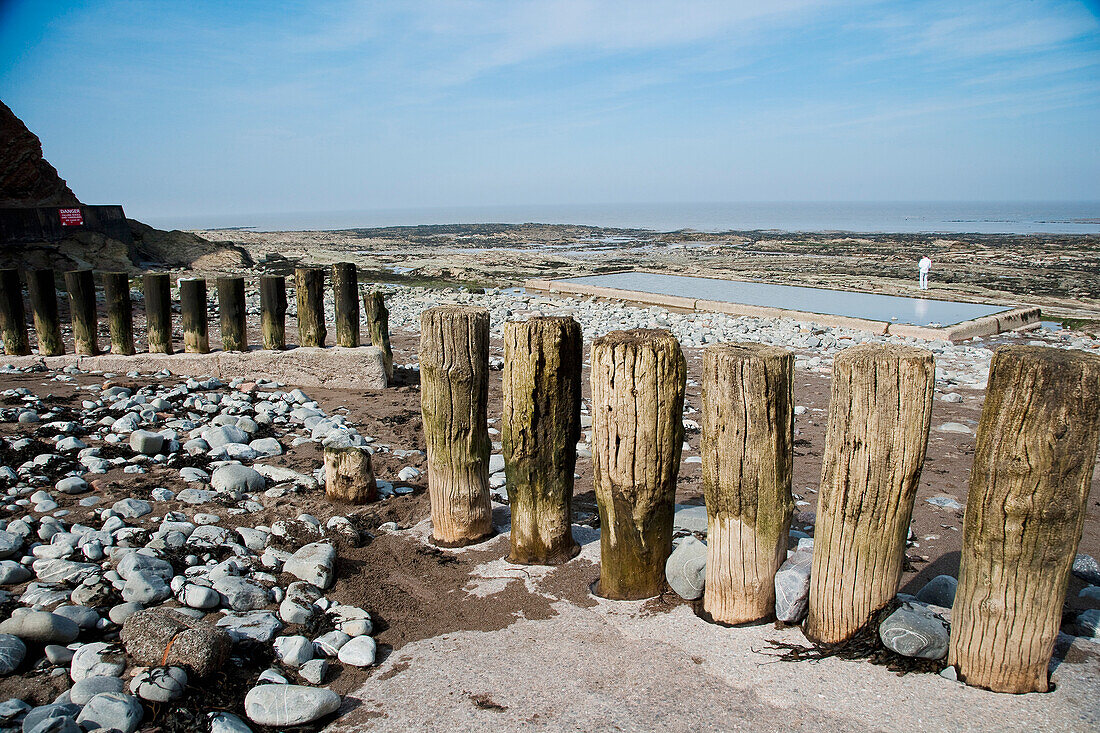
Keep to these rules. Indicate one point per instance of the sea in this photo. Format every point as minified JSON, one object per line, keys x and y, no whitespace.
{"x":1004,"y":217}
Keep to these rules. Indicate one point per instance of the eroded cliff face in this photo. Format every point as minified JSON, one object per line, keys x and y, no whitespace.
{"x":27,"y":178}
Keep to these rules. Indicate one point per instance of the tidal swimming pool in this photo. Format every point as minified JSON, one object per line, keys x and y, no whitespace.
{"x":870,"y":306}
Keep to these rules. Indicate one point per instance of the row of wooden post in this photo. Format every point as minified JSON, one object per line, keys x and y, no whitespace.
{"x":80,"y":284}
{"x":1036,"y":448}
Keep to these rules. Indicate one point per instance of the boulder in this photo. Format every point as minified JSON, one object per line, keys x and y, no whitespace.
{"x":164,"y":637}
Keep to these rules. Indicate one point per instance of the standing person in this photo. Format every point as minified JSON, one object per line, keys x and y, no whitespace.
{"x":925,"y":265}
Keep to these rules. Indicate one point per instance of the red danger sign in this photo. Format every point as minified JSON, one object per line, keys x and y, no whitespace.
{"x":71,"y":217}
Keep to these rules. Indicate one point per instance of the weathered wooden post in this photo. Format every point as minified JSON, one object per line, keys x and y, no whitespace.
{"x":120,"y":312}
{"x":1029,"y":488}
{"x":879,"y":415}
{"x":193,"y":315}
{"x":345,"y":291}
{"x":748,"y":459}
{"x":454,"y":392}
{"x":81,"y":287}
{"x":158,"y":312}
{"x":273,"y":311}
{"x":42,"y":289}
{"x":378,"y":326}
{"x":349,"y":476}
{"x":638,"y":381}
{"x":233,"y":314}
{"x":13,"y":316}
{"x":540,"y":429}
{"x":309,"y":285}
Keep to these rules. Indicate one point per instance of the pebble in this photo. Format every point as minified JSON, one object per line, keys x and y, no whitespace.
{"x":255,"y":625}
{"x":235,"y":477}
{"x":1086,"y":568}
{"x":72,"y":485}
{"x":111,"y":710}
{"x":358,"y":652}
{"x":131,"y":508}
{"x":146,"y":442}
{"x":940,"y":591}
{"x":686,"y":568}
{"x":227,"y":723}
{"x":314,"y":671}
{"x":159,"y":684}
{"x":914,"y":630}
{"x":286,"y":705}
{"x":792,"y":588}
{"x":313,"y":563}
{"x":293,"y":650}
{"x":84,"y":690}
{"x":12,"y":652}
{"x":41,"y":627}
{"x":95,"y":659}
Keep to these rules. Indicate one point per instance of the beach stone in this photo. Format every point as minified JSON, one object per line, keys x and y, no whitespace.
{"x":241,"y":594}
{"x":1086,"y":568}
{"x":792,"y":588}
{"x":330,"y":643}
{"x":60,"y":572}
{"x":118,"y":614}
{"x":293,"y":650}
{"x":12,"y":573}
{"x":159,"y":684}
{"x":314,"y":671}
{"x":266,"y":447}
{"x":193,"y":475}
{"x":82,"y":616}
{"x":131,"y":508}
{"x":227,"y":723}
{"x":162,"y":494}
{"x":915,"y":631}
{"x":84,"y":690}
{"x":258,"y":626}
{"x":235,"y":477}
{"x":686,"y":568}
{"x":12,"y":652}
{"x":1088,"y":623}
{"x":195,"y":496}
{"x":358,"y":652}
{"x":9,"y":543}
{"x":223,"y":435}
{"x":297,"y":607}
{"x":284,"y":705}
{"x":193,"y":595}
{"x":313,"y":563}
{"x":944,"y":502}
{"x":53,"y":718}
{"x":57,"y":654}
{"x":96,"y":659}
{"x":955,"y":427}
{"x":41,"y":627}
{"x":146,"y":588}
{"x":115,"y":711}
{"x":12,"y":709}
{"x":194,"y":645}
{"x":940,"y":591}
{"x":72,"y":485}
{"x":146,"y":442}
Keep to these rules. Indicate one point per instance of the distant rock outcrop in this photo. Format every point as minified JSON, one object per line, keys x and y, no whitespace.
{"x":26,"y":178}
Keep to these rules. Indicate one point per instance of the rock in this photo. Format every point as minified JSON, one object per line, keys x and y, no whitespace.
{"x":686,"y":568}
{"x":94,"y":660}
{"x":240,"y":594}
{"x":235,"y":477}
{"x":9,"y":543}
{"x":297,"y":607}
{"x":945,"y":502}
{"x":313,"y":563}
{"x":408,"y":473}
{"x":57,"y":654}
{"x":255,"y":625}
{"x":1088,"y":623}
{"x":12,"y":573}
{"x":792,"y":588}
{"x":915,"y":631}
{"x":72,"y":485}
{"x":195,"y":496}
{"x":132,"y":508}
{"x":159,"y":684}
{"x":285,"y":705}
{"x":12,"y":709}
{"x":1087,"y":569}
{"x":359,"y":652}
{"x":144,"y":441}
{"x":146,"y":588}
{"x":84,"y":690}
{"x":57,"y":572}
{"x":223,"y":435}
{"x":227,"y":723}
{"x":196,"y":646}
{"x":193,"y":595}
{"x":690,"y":518}
{"x":950,"y":673}
{"x":41,"y":627}
{"x":193,"y":475}
{"x":82,"y":616}
{"x":118,"y":614}
{"x":330,"y":644}
{"x":955,"y":427}
{"x":266,"y":447}
{"x":940,"y":591}
{"x":293,"y":650}
{"x":314,"y":671}
{"x":12,"y":652}
{"x":55,"y":718}
{"x":114,"y":711}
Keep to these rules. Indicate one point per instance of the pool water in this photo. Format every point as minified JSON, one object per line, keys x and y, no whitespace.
{"x":870,"y":306}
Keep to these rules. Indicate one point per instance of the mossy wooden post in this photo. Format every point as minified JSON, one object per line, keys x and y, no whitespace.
{"x":193,"y":315}
{"x":42,"y":289}
{"x":80,"y":285}
{"x":748,"y":458}
{"x":378,"y":326}
{"x":309,"y":288}
{"x":877,"y":433}
{"x":540,"y":429}
{"x":349,"y":476}
{"x":233,"y":314}
{"x":1029,"y":488}
{"x":454,"y":394}
{"x":120,"y":312}
{"x":345,"y":292}
{"x":13,"y":316}
{"x":273,"y":311}
{"x":158,"y":312}
{"x":638,"y":381}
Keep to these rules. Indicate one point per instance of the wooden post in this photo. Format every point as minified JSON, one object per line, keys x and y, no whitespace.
{"x":748,"y":459}
{"x":349,"y":476}
{"x":638,"y":381}
{"x":120,"y":312}
{"x":1029,"y":488}
{"x":233,"y":314}
{"x":345,"y":291}
{"x":454,"y":392}
{"x":541,"y":426}
{"x":13,"y":316}
{"x":877,"y":433}
{"x":193,"y":315}
{"x":273,"y":311}
{"x":158,"y":312}
{"x":42,"y":289}
{"x":309,"y":287}
{"x":378,"y":326}
{"x":81,"y":287}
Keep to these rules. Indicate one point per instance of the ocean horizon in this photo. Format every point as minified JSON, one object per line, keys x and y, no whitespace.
{"x":886,"y":217}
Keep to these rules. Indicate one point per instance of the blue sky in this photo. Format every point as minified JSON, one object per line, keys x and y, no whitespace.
{"x":195,"y":108}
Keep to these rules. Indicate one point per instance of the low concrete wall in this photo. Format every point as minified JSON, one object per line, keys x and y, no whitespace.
{"x":334,"y":367}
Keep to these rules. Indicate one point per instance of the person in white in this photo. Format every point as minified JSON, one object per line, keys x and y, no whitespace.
{"x":925,"y":265}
